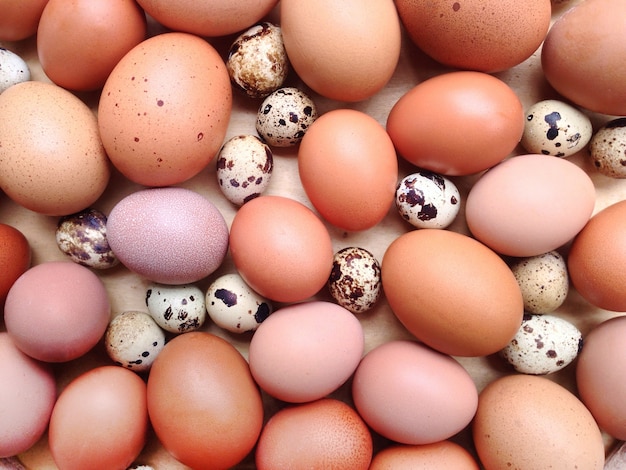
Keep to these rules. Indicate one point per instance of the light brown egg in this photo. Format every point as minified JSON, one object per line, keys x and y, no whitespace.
{"x":443,"y":455}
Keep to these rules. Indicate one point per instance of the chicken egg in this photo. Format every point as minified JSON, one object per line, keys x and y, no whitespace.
{"x":442,"y":455}
{"x":20,"y":19}
{"x":15,"y":257}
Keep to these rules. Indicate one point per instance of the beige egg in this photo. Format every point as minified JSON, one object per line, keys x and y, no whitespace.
{"x":51,"y":159}
{"x":608,"y":149}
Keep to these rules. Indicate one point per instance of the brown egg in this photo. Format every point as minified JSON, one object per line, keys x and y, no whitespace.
{"x":582,"y":56}
{"x":165,"y":108}
{"x":15,"y":257}
{"x":597,"y":256}
{"x":51,"y":159}
{"x":484,"y":35}
{"x":326,"y":433}
{"x":443,"y":455}
{"x":526,"y":421}
{"x":452,"y":292}
{"x":19,"y":19}
{"x":203,"y":404}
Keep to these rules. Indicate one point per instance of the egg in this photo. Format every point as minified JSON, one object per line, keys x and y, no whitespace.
{"x":527,"y":421}
{"x":411,"y":394}
{"x":555,"y":128}
{"x":326,"y":433}
{"x":451,"y":292}
{"x":580,"y":56}
{"x":607,"y":149}
{"x":51,"y":160}
{"x":442,"y":455}
{"x":484,"y":35}
{"x":503,"y":213}
{"x":348,"y":168}
{"x":351,"y":69}
{"x":20,"y":19}
{"x":13,"y":69}
{"x":281,"y":248}
{"x":91,"y":35}
{"x":457,"y":123}
{"x":168,"y":235}
{"x":305,"y":351}
{"x":177,"y":308}
{"x":199,"y":389}
{"x":15,"y":257}
{"x":100,"y":420}
{"x":139,"y":112}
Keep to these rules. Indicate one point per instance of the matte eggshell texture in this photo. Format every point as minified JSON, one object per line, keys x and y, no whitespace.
{"x":19,"y":19}
{"x":15,"y":257}
{"x":442,"y":455}
{"x":168,"y":235}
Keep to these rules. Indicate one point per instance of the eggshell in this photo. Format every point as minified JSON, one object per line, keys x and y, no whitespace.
{"x":581,"y":54}
{"x":20,"y":19}
{"x":13,"y":69}
{"x":607,"y":149}
{"x":457,"y":123}
{"x":353,"y":68}
{"x":177,"y":308}
{"x":412,"y":394}
{"x":526,"y":421}
{"x":139,"y":113}
{"x":484,"y":35}
{"x":168,"y":235}
{"x":599,"y":380}
{"x":530,"y":204}
{"x":51,"y":160}
{"x":100,"y":420}
{"x":199,"y":389}
{"x":326,"y":433}
{"x":348,"y":167}
{"x":57,"y":311}
{"x":442,"y":455}
{"x":15,"y":257}
{"x":452,"y":292}
{"x":281,"y":248}
{"x":305,"y":351}
{"x":27,"y":396}
{"x":596,"y":259}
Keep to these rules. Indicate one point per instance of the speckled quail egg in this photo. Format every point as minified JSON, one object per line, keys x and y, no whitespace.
{"x":543,"y":280}
{"x":234,"y":306}
{"x":133,"y":340}
{"x":83,"y":237}
{"x":244,"y":168}
{"x":284,"y":117}
{"x":544,"y":344}
{"x":13,"y":69}
{"x":555,"y":128}
{"x":176,"y":308}
{"x":608,"y":148}
{"x":257,"y":62}
{"x":355,"y":280}
{"x":427,"y":200}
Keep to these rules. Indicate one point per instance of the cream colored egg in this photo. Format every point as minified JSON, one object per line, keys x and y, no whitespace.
{"x":608,"y":149}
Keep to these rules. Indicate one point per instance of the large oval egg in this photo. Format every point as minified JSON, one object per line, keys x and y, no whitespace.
{"x":350,"y":69}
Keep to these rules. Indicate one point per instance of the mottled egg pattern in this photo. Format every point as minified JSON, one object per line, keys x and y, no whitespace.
{"x":83,"y":237}
{"x":608,"y":149}
{"x":176,"y":308}
{"x":244,"y":168}
{"x":355,"y":280}
{"x":555,"y":128}
{"x":543,"y":280}
{"x":427,"y":200}
{"x":133,"y":340}
{"x":284,"y":117}
{"x":13,"y":69}
{"x":544,"y":344}
{"x":234,"y":306}
{"x":257,"y":62}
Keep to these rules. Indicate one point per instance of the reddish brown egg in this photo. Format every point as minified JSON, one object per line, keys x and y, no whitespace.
{"x":15,"y":257}
{"x":19,"y":20}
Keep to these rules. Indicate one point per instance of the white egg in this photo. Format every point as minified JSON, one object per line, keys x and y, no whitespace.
{"x":176,"y":308}
{"x":355,"y":281}
{"x":608,"y":149}
{"x":13,"y":69}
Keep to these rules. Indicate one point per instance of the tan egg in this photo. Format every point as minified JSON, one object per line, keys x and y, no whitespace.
{"x":350,"y":69}
{"x":51,"y":159}
{"x":442,"y":455}
{"x":607,"y":149}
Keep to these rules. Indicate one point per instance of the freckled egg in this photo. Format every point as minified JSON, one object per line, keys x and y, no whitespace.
{"x":442,"y":455}
{"x":555,"y":128}
{"x":15,"y":257}
{"x":13,"y":69}
{"x":234,"y":306}
{"x":457,"y":123}
{"x":348,"y":168}
{"x":608,"y":149}
{"x":20,"y":19}
{"x":427,"y":200}
{"x":177,"y":308}
{"x":165,"y":108}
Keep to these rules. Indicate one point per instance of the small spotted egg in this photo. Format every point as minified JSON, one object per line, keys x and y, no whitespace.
{"x":244,"y":168}
{"x":355,"y":279}
{"x":234,"y":306}
{"x":543,"y":280}
{"x":555,"y":128}
{"x":427,"y":200}
{"x":608,"y":148}
{"x":13,"y":69}
{"x":140,"y":467}
{"x":257,"y":62}
{"x":544,"y":344}
{"x":83,"y":237}
{"x":134,"y":340}
{"x":176,"y":308}
{"x":284,"y":117}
